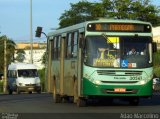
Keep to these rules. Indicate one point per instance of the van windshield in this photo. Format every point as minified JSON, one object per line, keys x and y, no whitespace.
{"x":28,"y":73}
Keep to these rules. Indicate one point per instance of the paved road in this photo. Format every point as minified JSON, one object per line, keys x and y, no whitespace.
{"x":43,"y":103}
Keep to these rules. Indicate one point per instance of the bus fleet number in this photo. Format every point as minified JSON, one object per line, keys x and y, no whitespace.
{"x":136,"y":78}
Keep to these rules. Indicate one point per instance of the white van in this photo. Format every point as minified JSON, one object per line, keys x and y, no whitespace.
{"x":23,"y":77}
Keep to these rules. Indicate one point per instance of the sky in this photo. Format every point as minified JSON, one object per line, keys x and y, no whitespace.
{"x":15,"y":17}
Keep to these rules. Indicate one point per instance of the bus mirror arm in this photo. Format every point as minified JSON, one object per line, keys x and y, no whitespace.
{"x":80,"y":43}
{"x":150,"y":53}
{"x":154,"y":44}
{"x":85,"y":58}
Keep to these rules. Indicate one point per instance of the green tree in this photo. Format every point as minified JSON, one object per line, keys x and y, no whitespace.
{"x":10,"y":48}
{"x":120,"y":9}
{"x":43,"y":59}
{"x":20,"y":55}
{"x":80,"y":12}
{"x":42,"y":78}
{"x":156,"y":63}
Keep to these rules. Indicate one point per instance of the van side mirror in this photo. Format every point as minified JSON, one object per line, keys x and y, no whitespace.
{"x":154,"y":47}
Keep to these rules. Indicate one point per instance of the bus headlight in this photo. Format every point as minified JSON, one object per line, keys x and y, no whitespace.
{"x":97,"y":82}
{"x":142,"y":82}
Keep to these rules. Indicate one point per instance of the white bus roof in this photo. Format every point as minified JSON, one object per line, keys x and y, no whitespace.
{"x":83,"y":25}
{"x":16,"y":66}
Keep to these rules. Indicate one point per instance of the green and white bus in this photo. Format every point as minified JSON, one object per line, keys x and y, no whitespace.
{"x":91,"y":60}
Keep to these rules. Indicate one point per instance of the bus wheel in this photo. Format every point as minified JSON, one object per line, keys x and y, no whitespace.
{"x":57,"y":98}
{"x":134,"y":101}
{"x":81,"y":102}
{"x":75,"y":91}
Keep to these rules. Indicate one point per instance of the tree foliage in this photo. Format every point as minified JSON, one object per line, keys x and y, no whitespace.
{"x":10,"y":48}
{"x":20,"y":55}
{"x":43,"y":59}
{"x":120,"y":9}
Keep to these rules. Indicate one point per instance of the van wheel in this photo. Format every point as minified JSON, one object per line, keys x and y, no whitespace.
{"x":30,"y":92}
{"x":10,"y":91}
{"x":18,"y":92}
{"x":39,"y":92}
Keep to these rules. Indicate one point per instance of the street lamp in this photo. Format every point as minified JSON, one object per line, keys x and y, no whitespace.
{"x":5,"y":68}
{"x":31,"y":36}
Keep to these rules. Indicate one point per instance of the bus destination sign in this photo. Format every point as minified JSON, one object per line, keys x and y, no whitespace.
{"x":119,"y":27}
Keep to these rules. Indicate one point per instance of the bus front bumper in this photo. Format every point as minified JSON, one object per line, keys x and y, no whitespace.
{"x":91,"y":89}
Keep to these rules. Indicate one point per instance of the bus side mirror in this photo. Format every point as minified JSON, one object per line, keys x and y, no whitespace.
{"x":154,"y":46}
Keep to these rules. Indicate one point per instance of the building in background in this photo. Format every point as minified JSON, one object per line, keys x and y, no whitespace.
{"x":38,"y":51}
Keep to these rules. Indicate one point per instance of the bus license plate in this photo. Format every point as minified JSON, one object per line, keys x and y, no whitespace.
{"x":121,"y":90}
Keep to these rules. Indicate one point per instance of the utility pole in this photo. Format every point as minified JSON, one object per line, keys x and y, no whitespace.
{"x":31,"y":35}
{"x":5,"y":67}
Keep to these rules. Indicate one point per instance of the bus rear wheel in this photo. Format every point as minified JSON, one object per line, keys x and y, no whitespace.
{"x":57,"y":98}
{"x":81,"y":102}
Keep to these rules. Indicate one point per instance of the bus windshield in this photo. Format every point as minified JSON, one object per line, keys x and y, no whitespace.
{"x":118,"y":51}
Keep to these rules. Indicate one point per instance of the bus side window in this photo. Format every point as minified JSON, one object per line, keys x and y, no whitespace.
{"x":74,"y":44}
{"x":52,"y":49}
{"x":69,"y":38}
{"x":58,"y":48}
{"x":66,"y":47}
{"x":55,"y":48}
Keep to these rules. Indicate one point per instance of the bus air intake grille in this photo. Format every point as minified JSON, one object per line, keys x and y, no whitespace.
{"x":119,"y":72}
{"x":128,"y":91}
{"x":121,"y":82}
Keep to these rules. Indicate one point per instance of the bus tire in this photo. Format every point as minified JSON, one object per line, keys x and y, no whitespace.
{"x":134,"y":101}
{"x":81,"y":102}
{"x":75,"y":91}
{"x":56,"y":97}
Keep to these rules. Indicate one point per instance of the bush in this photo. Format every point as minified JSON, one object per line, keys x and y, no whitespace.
{"x":156,"y":63}
{"x":42,"y":78}
{"x":1,"y":86}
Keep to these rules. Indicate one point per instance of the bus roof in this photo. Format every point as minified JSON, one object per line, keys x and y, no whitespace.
{"x":84,"y":24}
{"x":16,"y":66}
